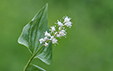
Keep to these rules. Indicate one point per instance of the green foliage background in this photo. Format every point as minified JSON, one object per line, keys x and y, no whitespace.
{"x":89,"y":43}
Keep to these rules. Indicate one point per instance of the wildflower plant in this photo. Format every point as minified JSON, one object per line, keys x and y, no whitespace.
{"x":38,"y":38}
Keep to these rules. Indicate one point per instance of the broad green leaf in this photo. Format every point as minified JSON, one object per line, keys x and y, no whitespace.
{"x":31,"y":34}
{"x":33,"y":67}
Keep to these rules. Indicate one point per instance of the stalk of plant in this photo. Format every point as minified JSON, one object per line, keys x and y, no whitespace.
{"x":38,"y":38}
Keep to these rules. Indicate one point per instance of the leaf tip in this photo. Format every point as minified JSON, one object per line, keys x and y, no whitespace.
{"x":47,"y":4}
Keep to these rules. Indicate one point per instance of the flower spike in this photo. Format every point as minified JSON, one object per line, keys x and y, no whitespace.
{"x":56,"y":33}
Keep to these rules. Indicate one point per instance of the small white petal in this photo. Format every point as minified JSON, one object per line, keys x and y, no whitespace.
{"x":45,"y":44}
{"x":47,"y":34}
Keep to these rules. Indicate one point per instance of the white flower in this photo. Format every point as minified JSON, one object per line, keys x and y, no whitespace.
{"x":59,"y":23}
{"x":45,"y":44}
{"x":52,"y":28}
{"x":58,"y":35}
{"x":67,"y":19}
{"x":54,"y":40}
{"x":62,"y":33}
{"x":68,"y":24}
{"x":41,"y":40}
{"x":47,"y":34}
{"x":51,"y":37}
{"x":45,"y":38}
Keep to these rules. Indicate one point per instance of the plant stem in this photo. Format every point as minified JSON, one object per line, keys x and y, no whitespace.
{"x":32,"y":58}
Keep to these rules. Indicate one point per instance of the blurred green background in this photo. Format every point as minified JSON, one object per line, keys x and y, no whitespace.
{"x":89,"y":43}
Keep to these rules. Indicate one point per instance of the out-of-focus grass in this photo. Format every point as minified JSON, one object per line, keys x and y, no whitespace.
{"x":89,"y":43}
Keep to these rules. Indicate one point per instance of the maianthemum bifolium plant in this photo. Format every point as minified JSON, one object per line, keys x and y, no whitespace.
{"x":38,"y":38}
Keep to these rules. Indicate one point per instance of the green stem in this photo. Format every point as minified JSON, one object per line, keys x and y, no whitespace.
{"x":32,"y":58}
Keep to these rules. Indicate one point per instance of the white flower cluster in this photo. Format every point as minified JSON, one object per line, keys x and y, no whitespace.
{"x":61,"y":32}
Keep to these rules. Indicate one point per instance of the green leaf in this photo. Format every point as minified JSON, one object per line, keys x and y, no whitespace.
{"x":33,"y":67}
{"x":31,"y":34}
